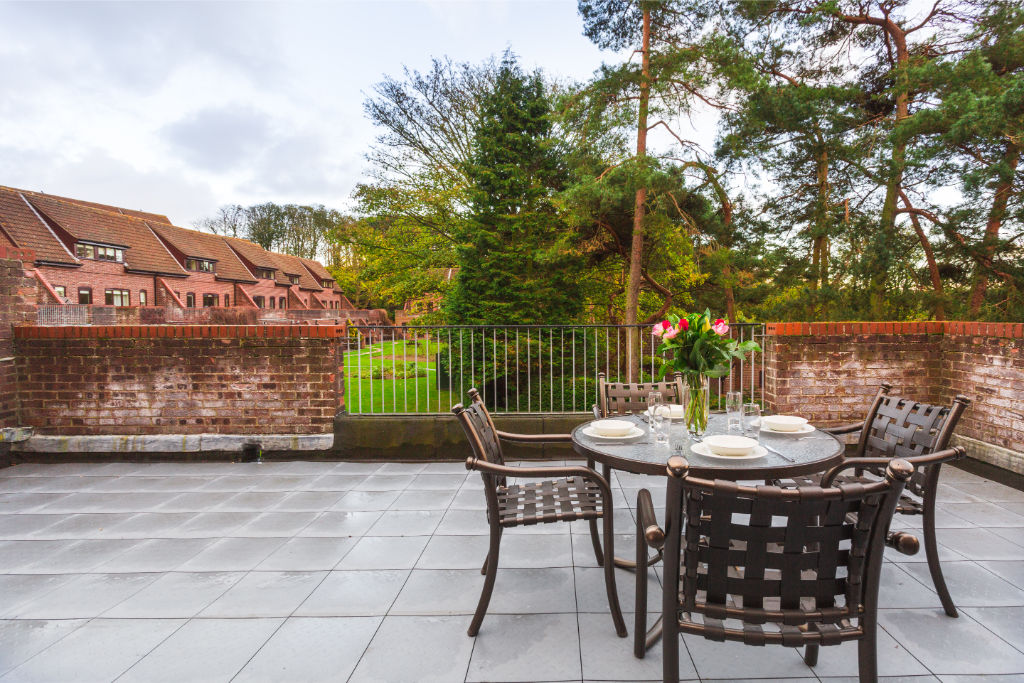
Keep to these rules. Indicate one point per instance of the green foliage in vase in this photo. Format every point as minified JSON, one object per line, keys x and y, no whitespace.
{"x":699,"y":347}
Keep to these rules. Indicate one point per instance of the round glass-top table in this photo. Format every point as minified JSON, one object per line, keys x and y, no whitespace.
{"x":788,"y":454}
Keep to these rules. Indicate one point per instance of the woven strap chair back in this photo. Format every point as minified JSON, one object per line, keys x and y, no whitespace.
{"x":482,"y":438}
{"x":620,"y":398}
{"x":798,"y":560}
{"x":903,"y":428}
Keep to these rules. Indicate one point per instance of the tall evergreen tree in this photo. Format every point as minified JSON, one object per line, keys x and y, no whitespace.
{"x":515,"y":256}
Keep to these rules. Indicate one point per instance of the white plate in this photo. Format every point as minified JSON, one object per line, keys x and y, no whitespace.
{"x":804,"y":429}
{"x":702,"y":449}
{"x":591,"y":432}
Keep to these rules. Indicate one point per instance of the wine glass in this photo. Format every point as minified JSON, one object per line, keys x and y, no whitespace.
{"x":751,"y":418}
{"x":734,"y":410}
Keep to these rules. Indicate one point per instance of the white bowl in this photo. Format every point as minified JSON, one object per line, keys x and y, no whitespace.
{"x":612,"y":427}
{"x":783,"y":423}
{"x":729,"y":444}
{"x":675,"y":411}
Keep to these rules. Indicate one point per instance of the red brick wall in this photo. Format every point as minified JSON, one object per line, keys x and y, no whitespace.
{"x":179,"y":380}
{"x":100,"y":275}
{"x":17,"y":305}
{"x":828,"y":372}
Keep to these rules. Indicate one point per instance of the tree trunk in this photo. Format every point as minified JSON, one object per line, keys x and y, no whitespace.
{"x":730,"y":296}
{"x":995,"y":221}
{"x":820,"y":231}
{"x":939,"y":307}
{"x":636,"y":251}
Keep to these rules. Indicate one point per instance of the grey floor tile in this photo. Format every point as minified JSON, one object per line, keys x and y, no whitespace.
{"x":334,"y":483}
{"x":591,"y":595}
{"x":434,"y":649}
{"x":990,"y":491}
{"x":307,"y":554}
{"x":983,"y":678}
{"x":232,"y":554}
{"x":881,"y":679}
{"x":986,"y":514}
{"x":283,"y":524}
{"x":309,"y":501}
{"x":16,"y":555}
{"x":385,"y":482}
{"x":151,"y":525}
{"x":109,"y":502}
{"x":412,"y":499}
{"x":196,"y":501}
{"x":17,"y":590}
{"x":938,"y":642}
{"x":81,"y":556}
{"x":24,"y":638}
{"x":366,"y":500}
{"x":1014,"y":534}
{"x":26,"y":502}
{"x":901,"y":586}
{"x":463,"y":523}
{"x":516,"y":591}
{"x":85,"y":525}
{"x":979,"y":544}
{"x":341,"y":523}
{"x":284,"y":482}
{"x":252,"y":501}
{"x":950,"y":493}
{"x":155,"y":555}
{"x":546,"y":647}
{"x":441,"y":592}
{"x":204,"y":650}
{"x":88,"y":595}
{"x":1005,"y":622}
{"x":384,"y":552}
{"x":945,"y":518}
{"x":468,"y":499}
{"x":406,"y":523}
{"x":583,"y":549}
{"x":893,"y":659}
{"x":1007,"y":569}
{"x":15,"y":527}
{"x":213,"y":524}
{"x":265,"y":594}
{"x":606,"y":656}
{"x":365,"y":468}
{"x":401,"y":468}
{"x":970,"y":585}
{"x":178,"y":594}
{"x":438,"y":482}
{"x":354,"y":593}
{"x":98,"y":651}
{"x":735,"y":660}
{"x":455,"y":552}
{"x":311,"y":650}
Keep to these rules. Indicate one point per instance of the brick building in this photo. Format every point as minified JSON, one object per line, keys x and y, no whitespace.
{"x":89,"y":253}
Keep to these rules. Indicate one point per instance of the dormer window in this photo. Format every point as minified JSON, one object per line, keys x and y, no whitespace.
{"x":100,"y":253}
{"x":294,"y":279}
{"x":327,"y":284}
{"x":265,"y":273}
{"x":199,"y":265}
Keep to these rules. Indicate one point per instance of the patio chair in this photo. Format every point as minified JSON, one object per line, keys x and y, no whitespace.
{"x":773,"y":565}
{"x":622,"y":398}
{"x":565,"y":494}
{"x":919,"y":433}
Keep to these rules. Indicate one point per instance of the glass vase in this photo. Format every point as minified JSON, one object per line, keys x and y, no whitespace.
{"x":696,"y":401}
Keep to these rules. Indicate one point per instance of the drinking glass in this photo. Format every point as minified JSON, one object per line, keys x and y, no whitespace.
{"x":734,"y":410}
{"x":656,"y":410}
{"x":751,"y":418}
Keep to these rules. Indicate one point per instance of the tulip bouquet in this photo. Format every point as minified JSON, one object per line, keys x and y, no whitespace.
{"x":700,"y":348}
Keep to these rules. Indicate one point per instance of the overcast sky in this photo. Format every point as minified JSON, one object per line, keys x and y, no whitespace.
{"x":179,"y":108}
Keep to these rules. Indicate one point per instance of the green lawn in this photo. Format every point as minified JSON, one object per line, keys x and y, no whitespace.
{"x":403,"y":394}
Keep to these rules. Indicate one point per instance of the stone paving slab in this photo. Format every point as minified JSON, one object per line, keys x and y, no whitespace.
{"x":352,"y":571}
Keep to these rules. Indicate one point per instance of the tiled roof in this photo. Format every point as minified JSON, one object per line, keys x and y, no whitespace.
{"x":206,"y":246}
{"x":28,"y":231}
{"x":95,"y":205}
{"x":253,"y":253}
{"x":319,"y":272}
{"x":293,"y":265}
{"x":145,"y":252}
{"x":283,"y":264}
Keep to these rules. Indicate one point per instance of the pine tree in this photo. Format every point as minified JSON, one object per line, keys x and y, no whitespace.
{"x":516,"y":261}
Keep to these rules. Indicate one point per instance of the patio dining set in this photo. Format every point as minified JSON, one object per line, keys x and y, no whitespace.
{"x":784,"y":547}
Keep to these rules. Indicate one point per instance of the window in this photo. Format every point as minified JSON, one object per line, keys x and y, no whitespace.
{"x":294,"y":279}
{"x":327,"y":284}
{"x":59,"y":289}
{"x":116,"y":297}
{"x":142,"y":297}
{"x":265,"y":273}
{"x":209,"y":300}
{"x":227,"y":299}
{"x":99,"y":253}
{"x":259,"y":301}
{"x":284,"y":302}
{"x":199,"y":265}
{"x":272,"y":301}
{"x":190,"y":300}
{"x":85,"y":295}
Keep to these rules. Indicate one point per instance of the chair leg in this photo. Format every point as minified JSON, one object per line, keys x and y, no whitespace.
{"x":640,"y":605}
{"x":595,"y":537}
{"x":811,"y":654}
{"x":609,"y":574}
{"x":931,"y":550}
{"x":491,"y":566}
{"x":483,"y":569}
{"x":867,"y":656}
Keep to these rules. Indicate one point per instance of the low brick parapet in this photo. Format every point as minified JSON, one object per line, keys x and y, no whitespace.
{"x":947,"y":327}
{"x":180,"y":332}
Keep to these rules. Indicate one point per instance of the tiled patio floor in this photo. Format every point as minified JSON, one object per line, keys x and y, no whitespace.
{"x":364,"y":572}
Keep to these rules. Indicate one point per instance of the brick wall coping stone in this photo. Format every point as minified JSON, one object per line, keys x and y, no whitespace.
{"x":948,"y":327}
{"x":173,"y":443}
{"x":179,"y":331}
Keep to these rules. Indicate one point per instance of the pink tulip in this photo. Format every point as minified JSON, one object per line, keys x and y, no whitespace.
{"x":657,"y":330}
{"x":670,"y":333}
{"x":720,"y":328}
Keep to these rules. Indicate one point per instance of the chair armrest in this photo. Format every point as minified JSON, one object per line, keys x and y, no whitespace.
{"x":844,"y":429}
{"x":474,"y":463}
{"x":534,"y":438}
{"x":938,"y":457}
{"x":647,"y":521}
